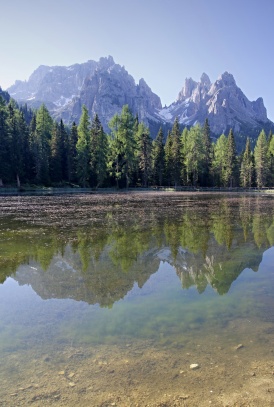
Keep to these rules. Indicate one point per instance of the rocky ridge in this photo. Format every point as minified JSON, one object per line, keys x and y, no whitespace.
{"x":104,"y":87}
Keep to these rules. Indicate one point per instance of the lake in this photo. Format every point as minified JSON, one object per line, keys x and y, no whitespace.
{"x":137,"y":299}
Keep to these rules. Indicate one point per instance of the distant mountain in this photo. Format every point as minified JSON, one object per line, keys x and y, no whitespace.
{"x":104,"y":87}
{"x":222,"y":102}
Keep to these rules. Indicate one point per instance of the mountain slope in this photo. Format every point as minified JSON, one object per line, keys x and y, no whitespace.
{"x":104,"y":87}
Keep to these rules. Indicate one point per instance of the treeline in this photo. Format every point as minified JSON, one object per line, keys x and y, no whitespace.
{"x":34,"y":149}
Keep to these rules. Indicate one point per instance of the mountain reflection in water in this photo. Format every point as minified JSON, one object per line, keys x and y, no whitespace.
{"x":95,"y":248}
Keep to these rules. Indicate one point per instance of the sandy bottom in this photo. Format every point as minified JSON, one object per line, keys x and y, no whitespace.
{"x":147,"y":373}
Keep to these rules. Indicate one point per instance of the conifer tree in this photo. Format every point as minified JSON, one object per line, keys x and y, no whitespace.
{"x":16,"y":135}
{"x":207,"y":162}
{"x":144,"y":149}
{"x":72,"y":153}
{"x":122,"y":146}
{"x":271,"y":159}
{"x":219,"y":161}
{"x":56,"y":174}
{"x":168,"y":159}
{"x":4,"y":148}
{"x":42,"y":139}
{"x":230,"y":161}
{"x":158,"y":158}
{"x":176,"y":153}
{"x":194,"y":155}
{"x":246,"y":171}
{"x":98,"y":153}
{"x":83,"y":149}
{"x":261,"y":160}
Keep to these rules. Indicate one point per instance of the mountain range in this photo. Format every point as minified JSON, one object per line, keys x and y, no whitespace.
{"x":104,"y":87}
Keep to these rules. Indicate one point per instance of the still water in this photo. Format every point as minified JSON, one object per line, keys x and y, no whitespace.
{"x":106,"y":300}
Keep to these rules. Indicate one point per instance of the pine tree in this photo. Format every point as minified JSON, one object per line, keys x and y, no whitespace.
{"x":122,"y":146}
{"x":158,"y":158}
{"x":16,"y":144}
{"x":168,"y":159}
{"x":194,"y":155}
{"x":72,"y":153}
{"x":176,"y":153}
{"x":98,"y":153}
{"x":83,"y":149}
{"x":144,"y":149}
{"x":4,"y":148}
{"x":42,"y":140}
{"x":261,"y":160}
{"x":207,"y":162}
{"x":219,"y":161}
{"x":246,"y":171}
{"x":271,"y":159}
{"x":230,"y":161}
{"x":56,"y":174}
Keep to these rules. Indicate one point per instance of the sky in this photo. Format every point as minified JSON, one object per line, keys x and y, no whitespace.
{"x":162,"y":41}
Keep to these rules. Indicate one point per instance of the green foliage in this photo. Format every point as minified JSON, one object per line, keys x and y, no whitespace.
{"x":247,"y":167}
{"x":194,"y":155}
{"x":144,"y":153}
{"x":158,"y":158}
{"x":262,"y":162}
{"x":122,"y":147}
{"x":37,"y":150}
{"x":83,"y":149}
{"x":98,"y":153}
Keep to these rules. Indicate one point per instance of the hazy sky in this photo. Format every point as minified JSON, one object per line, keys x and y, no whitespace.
{"x":163,"y":41}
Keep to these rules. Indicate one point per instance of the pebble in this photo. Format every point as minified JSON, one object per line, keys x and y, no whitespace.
{"x":71,"y":375}
{"x":194,"y":366}
{"x":184,"y":397}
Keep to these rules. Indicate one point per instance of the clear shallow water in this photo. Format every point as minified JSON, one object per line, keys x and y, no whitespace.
{"x":141,"y":285}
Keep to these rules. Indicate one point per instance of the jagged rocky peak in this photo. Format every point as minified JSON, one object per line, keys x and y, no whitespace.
{"x":194,"y":90}
{"x":187,"y":90}
{"x":205,"y":80}
{"x":259,"y":109}
{"x":226,"y":79}
{"x":106,"y":62}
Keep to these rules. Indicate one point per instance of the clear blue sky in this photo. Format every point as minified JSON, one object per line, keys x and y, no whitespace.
{"x":163,"y":41}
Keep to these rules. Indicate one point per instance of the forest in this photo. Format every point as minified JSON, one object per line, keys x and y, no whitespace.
{"x":39,"y":151}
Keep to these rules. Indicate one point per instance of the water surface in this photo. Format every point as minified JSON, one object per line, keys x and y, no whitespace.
{"x":107,"y":300}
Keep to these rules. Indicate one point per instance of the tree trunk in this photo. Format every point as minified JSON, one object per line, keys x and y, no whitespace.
{"x":18,"y":181}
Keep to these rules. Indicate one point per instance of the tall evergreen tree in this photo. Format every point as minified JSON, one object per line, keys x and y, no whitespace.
{"x":72,"y":153}
{"x":83,"y":149}
{"x":207,"y":162}
{"x":168,"y":159}
{"x":261,"y":160}
{"x":158,"y":158}
{"x":271,"y":159}
{"x":98,"y":153}
{"x":122,"y":146}
{"x":246,"y":171}
{"x":4,"y":147}
{"x":176,"y":153}
{"x":42,"y":139}
{"x":56,"y":174}
{"x":219,"y":161}
{"x":230,"y":161}
{"x":144,"y":153}
{"x":194,"y":155}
